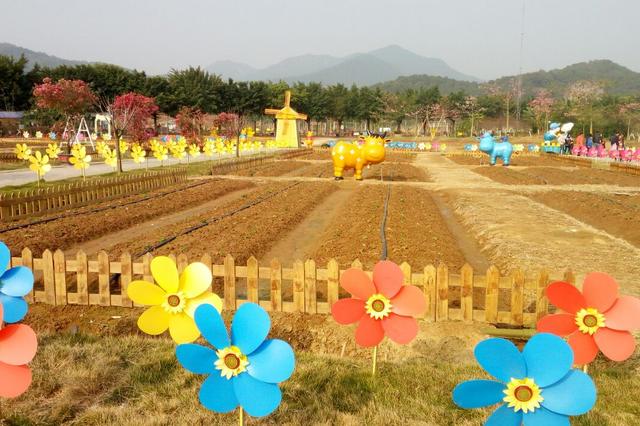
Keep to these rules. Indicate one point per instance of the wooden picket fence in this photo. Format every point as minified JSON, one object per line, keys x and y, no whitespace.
{"x":28,"y":203}
{"x":516,"y":299}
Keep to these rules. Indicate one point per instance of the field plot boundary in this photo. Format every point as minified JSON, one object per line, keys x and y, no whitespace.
{"x":20,"y":204}
{"x":449,"y":296}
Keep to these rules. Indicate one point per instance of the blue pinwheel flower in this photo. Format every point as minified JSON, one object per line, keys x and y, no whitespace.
{"x":536,"y":387}
{"x":15,"y":283}
{"x":244,"y":370}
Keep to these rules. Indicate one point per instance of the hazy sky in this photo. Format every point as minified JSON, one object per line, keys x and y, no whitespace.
{"x":477,"y":37}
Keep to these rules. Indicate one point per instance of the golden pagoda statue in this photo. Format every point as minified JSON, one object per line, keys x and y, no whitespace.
{"x":286,"y":126}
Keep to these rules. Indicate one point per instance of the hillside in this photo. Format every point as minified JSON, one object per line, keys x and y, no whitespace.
{"x":34,"y":57}
{"x":617,"y":79}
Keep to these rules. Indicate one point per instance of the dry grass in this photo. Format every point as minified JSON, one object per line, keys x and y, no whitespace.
{"x":83,"y":379}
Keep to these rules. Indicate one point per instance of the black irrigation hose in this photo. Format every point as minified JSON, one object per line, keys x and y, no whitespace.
{"x":204,"y":223}
{"x":99,"y":209}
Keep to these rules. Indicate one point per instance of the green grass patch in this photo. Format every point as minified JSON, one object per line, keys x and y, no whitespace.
{"x":90,"y":380}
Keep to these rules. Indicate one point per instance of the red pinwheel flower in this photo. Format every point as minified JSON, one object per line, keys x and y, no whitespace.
{"x":596,"y":319}
{"x":382,"y":306}
{"x":18,"y":345}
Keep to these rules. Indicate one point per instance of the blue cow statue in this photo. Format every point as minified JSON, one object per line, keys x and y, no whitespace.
{"x":496,"y":149}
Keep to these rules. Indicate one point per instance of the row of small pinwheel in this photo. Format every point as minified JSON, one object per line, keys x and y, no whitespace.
{"x":18,"y":342}
{"x":54,"y":136}
{"x":38,"y":162}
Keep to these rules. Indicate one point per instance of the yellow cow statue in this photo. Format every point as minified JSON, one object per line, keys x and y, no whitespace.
{"x":351,"y":156}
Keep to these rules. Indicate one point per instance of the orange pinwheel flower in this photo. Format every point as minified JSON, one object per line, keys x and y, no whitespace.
{"x":596,"y":319}
{"x":381,"y":307}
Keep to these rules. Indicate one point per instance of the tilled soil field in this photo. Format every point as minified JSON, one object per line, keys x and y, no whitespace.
{"x":615,"y":214}
{"x":557,"y":176}
{"x":516,"y":160}
{"x":397,"y":172}
{"x":83,"y":225}
{"x":390,"y":156}
{"x":415,"y":230}
{"x":251,"y":231}
{"x":277,"y":168}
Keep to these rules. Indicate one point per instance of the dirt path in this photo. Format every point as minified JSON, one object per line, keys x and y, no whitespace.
{"x":302,"y":241}
{"x":141,"y":229}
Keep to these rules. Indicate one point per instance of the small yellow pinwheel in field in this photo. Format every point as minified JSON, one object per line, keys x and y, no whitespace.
{"x":53,"y":150}
{"x":137,"y":153}
{"x":178,"y":149}
{"x":39,"y":164}
{"x":106,"y":137}
{"x":110,"y":157}
{"x":194,"y":150}
{"x":22,"y":151}
{"x":38,"y":134}
{"x":160,"y":153}
{"x":124,"y":146}
{"x":174,"y":299}
{"x":101,"y":146}
{"x":79,"y":158}
{"x":209,"y":148}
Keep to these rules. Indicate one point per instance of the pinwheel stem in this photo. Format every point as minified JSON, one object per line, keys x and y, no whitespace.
{"x":585,"y":368}
{"x":241,"y":417}
{"x":375,"y":360}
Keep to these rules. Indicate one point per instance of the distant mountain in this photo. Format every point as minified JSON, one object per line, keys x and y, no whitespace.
{"x":8,"y":49}
{"x":616,"y":78}
{"x":361,"y":68}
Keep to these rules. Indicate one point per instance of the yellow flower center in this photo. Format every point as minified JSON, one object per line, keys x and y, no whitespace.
{"x":231,"y":362}
{"x":523,"y":395}
{"x":378,"y":306}
{"x":174,"y":303}
{"x":589,"y":320}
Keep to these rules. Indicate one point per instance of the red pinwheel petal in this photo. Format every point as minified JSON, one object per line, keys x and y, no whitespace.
{"x":409,"y":301}
{"x":357,"y":283}
{"x":624,"y":314}
{"x":388,"y":278}
{"x":584,"y":348}
{"x":369,"y":332}
{"x":566,"y":297}
{"x":615,"y":345}
{"x":18,"y":344}
{"x":558,"y":324}
{"x":16,"y":379}
{"x":400,"y":329}
{"x":600,"y":291}
{"x":348,"y":311}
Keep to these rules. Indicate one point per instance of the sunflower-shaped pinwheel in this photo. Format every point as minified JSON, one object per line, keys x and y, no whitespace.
{"x":596,"y":319}
{"x":110,"y":157}
{"x":53,"y":150}
{"x":124,"y":146}
{"x":18,"y":346}
{"x":536,"y":387}
{"x":138,"y":153}
{"x":382,"y":306}
{"x":40,"y":164}
{"x":22,"y":151}
{"x":15,"y":283}
{"x":244,"y":369}
{"x":194,"y":150}
{"x":101,"y":146}
{"x":79,"y":158}
{"x":174,"y":300}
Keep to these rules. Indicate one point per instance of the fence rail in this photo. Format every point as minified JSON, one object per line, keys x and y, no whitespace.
{"x":517,"y":299}
{"x":20,"y":204}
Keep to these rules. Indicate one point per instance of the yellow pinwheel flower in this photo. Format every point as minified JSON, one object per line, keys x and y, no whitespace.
{"x":209,"y":148}
{"x":174,"y":299}
{"x":161,"y":152}
{"x":53,"y":150}
{"x":22,"y":151}
{"x":39,"y":164}
{"x":101,"y":146}
{"x":124,"y":146}
{"x":79,"y":158}
{"x":194,"y":150}
{"x":178,"y":150}
{"x":137,"y":153}
{"x":110,"y":157}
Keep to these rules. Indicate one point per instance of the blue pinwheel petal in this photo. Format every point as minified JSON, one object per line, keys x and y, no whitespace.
{"x":15,"y":308}
{"x":548,"y":357}
{"x":196,"y":358}
{"x":211,"y":325}
{"x":575,"y":394}
{"x":17,"y":281}
{"x":272,"y":362}
{"x":544,"y":417}
{"x":5,"y":257}
{"x":504,"y":416}
{"x":257,"y":398}
{"x":217,"y":394}
{"x":478,"y":393}
{"x":501,"y":359}
{"x":249,"y":327}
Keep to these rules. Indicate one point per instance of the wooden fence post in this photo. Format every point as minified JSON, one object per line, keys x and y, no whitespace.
{"x":103,"y":279}
{"x":542,"y":303}
{"x":491,"y":295}
{"x":252,"y":279}
{"x":229,"y":283}
{"x":517,"y":297}
{"x":48,"y":276}
{"x":126,"y":276}
{"x":333,"y":282}
{"x":276,"y":286}
{"x":82,"y":277}
{"x":298,"y":286}
{"x":430,"y":292}
{"x":442,"y":279}
{"x":27,"y":261}
{"x":59,"y":269}
{"x":310,"y":287}
{"x":466,"y":292}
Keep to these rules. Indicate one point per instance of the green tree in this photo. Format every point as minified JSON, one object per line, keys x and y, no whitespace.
{"x":193,"y":87}
{"x":15,"y":90}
